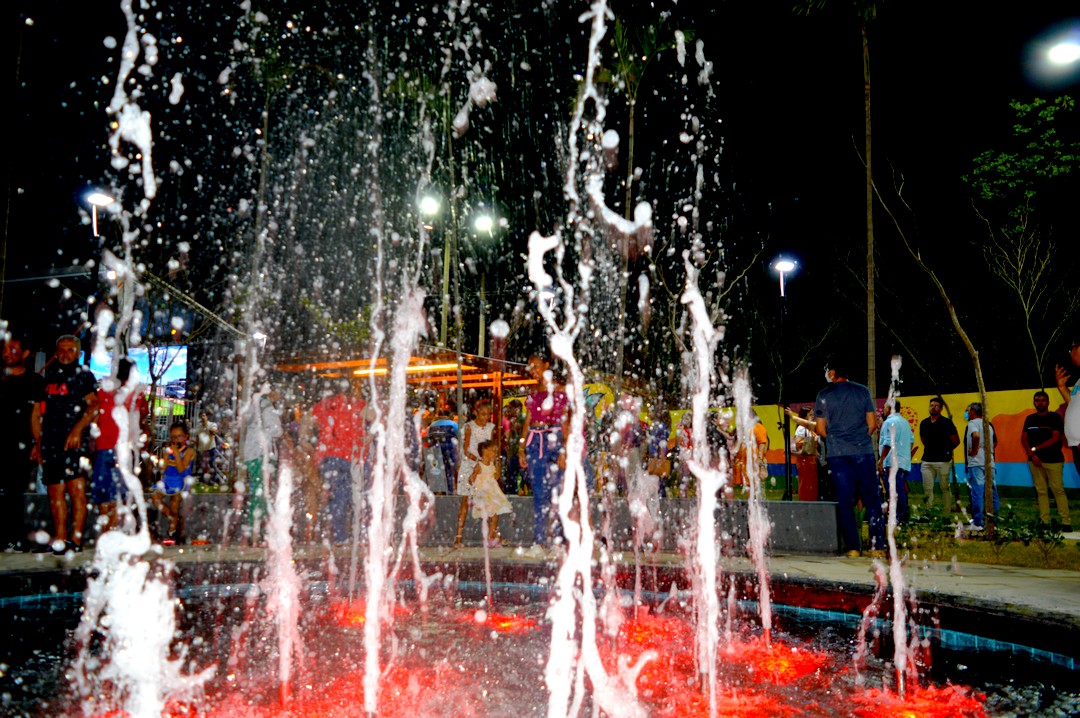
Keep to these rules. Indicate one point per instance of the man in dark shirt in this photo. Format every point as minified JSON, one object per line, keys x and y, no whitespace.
{"x":61,"y":417}
{"x":845,"y":415}
{"x":939,"y":437}
{"x":19,"y":389}
{"x":1041,"y":439}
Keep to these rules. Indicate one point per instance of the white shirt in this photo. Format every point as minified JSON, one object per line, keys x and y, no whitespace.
{"x":976,"y":426}
{"x":263,"y":429}
{"x":1072,"y":418}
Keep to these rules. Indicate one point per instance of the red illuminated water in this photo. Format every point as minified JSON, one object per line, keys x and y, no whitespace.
{"x":471,"y":662}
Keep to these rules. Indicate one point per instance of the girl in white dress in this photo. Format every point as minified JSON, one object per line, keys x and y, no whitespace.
{"x":480,"y":429}
{"x":487,"y":499}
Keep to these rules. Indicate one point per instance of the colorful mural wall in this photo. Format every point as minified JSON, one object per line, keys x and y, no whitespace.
{"x":1007,"y":412}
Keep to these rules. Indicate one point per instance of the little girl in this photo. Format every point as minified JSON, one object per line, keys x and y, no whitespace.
{"x":488,"y":500}
{"x":479,"y":430}
{"x":178,"y":458}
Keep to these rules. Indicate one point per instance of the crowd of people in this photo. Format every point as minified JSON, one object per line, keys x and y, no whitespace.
{"x":62,"y":426}
{"x":845,"y":420}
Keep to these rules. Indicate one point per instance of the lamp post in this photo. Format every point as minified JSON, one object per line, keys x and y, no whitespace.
{"x":784,"y":266}
{"x":98,"y":199}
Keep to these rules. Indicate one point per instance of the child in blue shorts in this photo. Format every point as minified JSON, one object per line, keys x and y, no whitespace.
{"x":178,"y":459}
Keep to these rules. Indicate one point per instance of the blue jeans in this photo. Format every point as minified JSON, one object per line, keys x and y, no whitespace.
{"x":902,"y":510}
{"x":976,"y":480}
{"x":337,"y":477}
{"x":853,"y":478}
{"x":107,"y":483}
{"x":542,"y":458}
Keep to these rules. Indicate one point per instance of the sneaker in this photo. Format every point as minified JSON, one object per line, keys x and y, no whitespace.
{"x":878,"y":554}
{"x":852,"y":554}
{"x":1066,"y":528}
{"x":536,"y":551}
{"x":972,"y":526}
{"x":73,"y":547}
{"x":41,"y":548}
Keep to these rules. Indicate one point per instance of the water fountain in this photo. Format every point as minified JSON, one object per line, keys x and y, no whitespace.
{"x":416,"y":643}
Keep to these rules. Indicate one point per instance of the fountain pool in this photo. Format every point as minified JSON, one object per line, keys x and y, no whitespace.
{"x":459,"y":657}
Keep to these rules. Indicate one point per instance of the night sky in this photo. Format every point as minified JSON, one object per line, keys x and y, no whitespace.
{"x":789,"y":96}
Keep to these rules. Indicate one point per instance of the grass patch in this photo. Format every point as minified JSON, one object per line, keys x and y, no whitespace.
{"x":1014,"y":554}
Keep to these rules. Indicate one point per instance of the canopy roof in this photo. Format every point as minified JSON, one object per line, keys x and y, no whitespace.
{"x":431,"y":367}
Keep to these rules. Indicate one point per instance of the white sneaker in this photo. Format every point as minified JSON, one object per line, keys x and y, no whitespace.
{"x":536,"y":551}
{"x":974,"y":527}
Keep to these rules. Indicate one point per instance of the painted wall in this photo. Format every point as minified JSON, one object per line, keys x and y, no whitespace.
{"x":1007,"y":412}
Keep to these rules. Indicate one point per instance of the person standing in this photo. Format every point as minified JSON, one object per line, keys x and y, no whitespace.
{"x":341,"y":438}
{"x":60,"y":419}
{"x":539,"y":450}
{"x":478,"y":431}
{"x":513,"y":428}
{"x":844,"y":414}
{"x":894,"y":449}
{"x":805,"y":448}
{"x":107,"y":483}
{"x":1072,"y":400}
{"x":939,"y":437}
{"x":178,"y":458}
{"x":19,"y":390}
{"x":1041,"y":439}
{"x":976,"y":463}
{"x":442,"y":437}
{"x":262,"y":431}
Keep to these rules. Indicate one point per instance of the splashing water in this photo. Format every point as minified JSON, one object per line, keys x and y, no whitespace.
{"x":757,"y":518}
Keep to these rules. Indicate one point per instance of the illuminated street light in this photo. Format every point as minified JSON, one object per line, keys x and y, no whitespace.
{"x":429,"y":205}
{"x":783,"y":266}
{"x":98,"y":199}
{"x":1052,"y":60}
{"x":1064,"y":53}
{"x":484,"y":223}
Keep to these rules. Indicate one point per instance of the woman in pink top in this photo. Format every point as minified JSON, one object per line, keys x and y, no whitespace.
{"x":542,"y":443}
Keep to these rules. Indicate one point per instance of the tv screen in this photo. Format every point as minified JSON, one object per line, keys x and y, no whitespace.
{"x":170,"y":364}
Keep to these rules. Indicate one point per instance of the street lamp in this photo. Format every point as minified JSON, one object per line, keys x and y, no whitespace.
{"x":784,"y":266}
{"x":484,"y":223}
{"x":429,"y":209}
{"x":98,"y":199}
{"x":1052,"y":60}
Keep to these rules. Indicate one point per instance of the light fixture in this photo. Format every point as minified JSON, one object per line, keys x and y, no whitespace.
{"x":784,"y":266}
{"x":98,"y":199}
{"x":484,"y":223}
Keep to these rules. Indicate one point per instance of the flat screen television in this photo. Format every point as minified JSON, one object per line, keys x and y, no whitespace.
{"x":172,"y":360}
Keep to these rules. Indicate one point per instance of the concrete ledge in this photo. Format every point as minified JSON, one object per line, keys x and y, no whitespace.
{"x":797,"y":527}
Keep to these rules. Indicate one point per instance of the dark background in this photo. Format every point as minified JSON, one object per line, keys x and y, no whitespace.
{"x":786,"y":122}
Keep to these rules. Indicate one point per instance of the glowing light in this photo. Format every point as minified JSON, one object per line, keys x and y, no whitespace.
{"x":1052,"y":59}
{"x":484,"y":223}
{"x":99,"y":200}
{"x":416,"y":369}
{"x":1064,"y":53}
{"x":429,"y":205}
{"x":784,"y":266}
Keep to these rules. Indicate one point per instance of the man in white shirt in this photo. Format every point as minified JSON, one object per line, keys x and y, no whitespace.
{"x":976,"y":464}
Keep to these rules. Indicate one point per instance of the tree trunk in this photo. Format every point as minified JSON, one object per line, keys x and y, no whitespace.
{"x":871,"y":311}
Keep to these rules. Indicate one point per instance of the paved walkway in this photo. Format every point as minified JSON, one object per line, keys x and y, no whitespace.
{"x":1041,"y":593}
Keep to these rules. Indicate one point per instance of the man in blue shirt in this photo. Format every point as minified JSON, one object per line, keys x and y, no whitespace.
{"x":894,"y":449}
{"x":845,"y":415}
